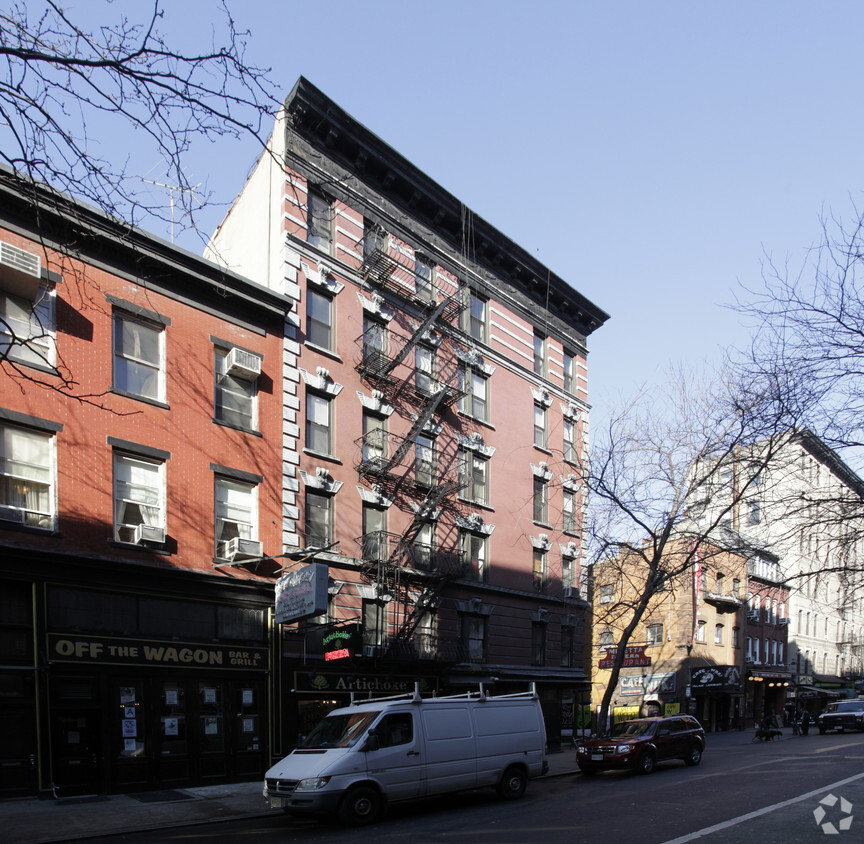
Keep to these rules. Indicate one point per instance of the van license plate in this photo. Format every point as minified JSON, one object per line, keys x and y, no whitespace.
{"x":596,"y":757}
{"x":278,"y":802}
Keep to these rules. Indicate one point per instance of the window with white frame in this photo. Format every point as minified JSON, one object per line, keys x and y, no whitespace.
{"x":374,"y":623}
{"x":474,"y":548}
{"x":374,"y":451}
{"x":375,"y":343}
{"x":375,"y":545}
{"x":539,"y":570}
{"x":424,"y":278}
{"x":425,"y":468}
{"x":475,"y":393}
{"x":654,"y":634}
{"x":426,"y":635}
{"x":139,"y":357}
{"x":569,"y":373}
{"x":541,"y":500}
{"x":700,"y":632}
{"x":236,"y":513}
{"x":540,"y":425}
{"x":540,"y":354}
{"x":139,"y":497}
{"x":569,"y":433}
{"x":319,"y":319}
{"x":474,"y":637}
{"x":319,"y":221}
{"x":607,"y":593}
{"x":475,"y":317}
{"x":567,"y":648}
{"x":319,"y":519}
{"x":474,"y":476}
{"x":570,"y":511}
{"x":604,"y":639}
{"x":319,"y":431}
{"x":736,"y":637}
{"x":27,"y":329}
{"x":718,"y":634}
{"x":236,"y":394}
{"x":423,"y":547}
{"x":425,"y":362}
{"x":27,"y":461}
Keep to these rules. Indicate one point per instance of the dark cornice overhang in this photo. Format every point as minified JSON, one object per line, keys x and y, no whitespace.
{"x":825,"y":454}
{"x":64,"y":224}
{"x":327,"y":128}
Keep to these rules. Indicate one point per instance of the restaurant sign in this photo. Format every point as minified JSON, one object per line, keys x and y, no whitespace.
{"x":117,"y":651}
{"x":634,"y":657}
{"x":301,"y":593}
{"x":716,"y":678}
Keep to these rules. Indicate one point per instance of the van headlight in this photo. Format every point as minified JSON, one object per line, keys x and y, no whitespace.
{"x":312,"y":784}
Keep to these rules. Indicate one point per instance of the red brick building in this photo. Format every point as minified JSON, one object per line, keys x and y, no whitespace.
{"x":140,"y":481}
{"x":434,"y":429}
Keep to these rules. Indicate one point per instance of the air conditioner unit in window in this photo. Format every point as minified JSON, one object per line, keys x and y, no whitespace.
{"x":373,"y":650}
{"x":607,"y":599}
{"x":753,"y":616}
{"x":241,"y":549}
{"x":148,"y":533}
{"x":571,"y":592}
{"x":12,"y":514}
{"x":782,"y":620}
{"x":20,"y":271}
{"x":242,"y":364}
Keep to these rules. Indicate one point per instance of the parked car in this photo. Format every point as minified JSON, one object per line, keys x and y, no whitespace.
{"x":640,"y":744}
{"x":842,"y":715}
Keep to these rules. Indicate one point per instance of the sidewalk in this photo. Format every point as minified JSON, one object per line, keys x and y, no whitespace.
{"x":35,"y":821}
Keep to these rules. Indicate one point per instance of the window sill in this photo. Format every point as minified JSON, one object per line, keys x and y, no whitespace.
{"x":320,"y":455}
{"x":31,"y":529}
{"x":223,"y":424}
{"x":154,"y":402}
{"x":323,"y":351}
{"x":544,"y":525}
{"x":488,"y":507}
{"x":476,"y":419}
{"x":47,"y":368}
{"x":157,"y":550}
{"x":543,"y":449}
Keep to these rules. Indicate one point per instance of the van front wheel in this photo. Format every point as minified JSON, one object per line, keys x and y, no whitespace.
{"x":360,"y":805}
{"x":513,"y":783}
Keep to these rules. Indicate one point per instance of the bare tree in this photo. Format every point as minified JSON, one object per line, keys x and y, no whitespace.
{"x":85,"y":110}
{"x":662,"y":493}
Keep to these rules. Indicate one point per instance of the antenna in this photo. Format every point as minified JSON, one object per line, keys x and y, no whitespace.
{"x":171,"y":189}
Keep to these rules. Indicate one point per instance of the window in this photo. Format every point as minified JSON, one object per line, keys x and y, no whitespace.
{"x":539,"y":570}
{"x":570,"y":441}
{"x":139,"y":358}
{"x":426,"y":635}
{"x":27,"y":330}
{"x":475,"y":389}
{"x":423,"y":548}
{"x":475,"y":316}
{"x":540,"y":354}
{"x":719,"y":583}
{"x":718,"y":634}
{"x":318,"y":428}
{"x":654,"y":634}
{"x":474,"y":476}
{"x":541,"y":501}
{"x":540,"y":418}
{"x":607,"y":593}
{"x":319,"y":519}
{"x":424,"y":461}
{"x":569,"y":373}
{"x":753,"y":513}
{"x":375,"y":546}
{"x":736,"y":637}
{"x":474,"y":547}
{"x":319,"y":319}
{"x":700,"y":632}
{"x":604,"y":640}
{"x":395,"y":729}
{"x":571,"y":524}
{"x":566,"y":646}
{"x":374,"y":623}
{"x":538,"y":643}
{"x":474,"y":637}
{"x":236,"y":513}
{"x":320,"y":221}
{"x":139,"y":496}
{"x":424,"y":274}
{"x":736,"y":587}
{"x":424,"y":371}
{"x":375,"y":346}
{"x":26,"y":477}
{"x":374,"y":452}
{"x":236,"y":396}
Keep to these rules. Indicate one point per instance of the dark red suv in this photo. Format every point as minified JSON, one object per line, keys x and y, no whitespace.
{"x":640,"y":744}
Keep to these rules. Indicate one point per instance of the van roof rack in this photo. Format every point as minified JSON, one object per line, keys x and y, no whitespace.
{"x":481,"y":695}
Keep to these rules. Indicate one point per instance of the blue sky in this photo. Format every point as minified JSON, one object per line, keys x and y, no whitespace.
{"x":650,"y":153}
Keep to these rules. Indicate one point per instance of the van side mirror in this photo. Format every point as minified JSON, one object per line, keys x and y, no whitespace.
{"x":372,"y":742}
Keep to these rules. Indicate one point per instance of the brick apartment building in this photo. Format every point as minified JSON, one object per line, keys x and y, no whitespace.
{"x":436,"y":419}
{"x":140,"y":438}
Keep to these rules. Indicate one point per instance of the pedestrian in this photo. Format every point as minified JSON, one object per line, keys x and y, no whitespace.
{"x":795,"y":730}
{"x":805,"y":723}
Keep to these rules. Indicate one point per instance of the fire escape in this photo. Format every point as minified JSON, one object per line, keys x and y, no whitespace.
{"x":420,"y":478}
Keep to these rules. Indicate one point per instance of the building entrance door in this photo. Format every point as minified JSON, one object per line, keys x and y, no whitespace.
{"x":76,"y":735}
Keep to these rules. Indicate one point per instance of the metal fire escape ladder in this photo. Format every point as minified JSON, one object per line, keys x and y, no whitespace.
{"x":426,"y":414}
{"x":415,"y":337}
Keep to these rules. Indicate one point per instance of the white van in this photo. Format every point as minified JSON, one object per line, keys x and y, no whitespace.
{"x":371,"y":753}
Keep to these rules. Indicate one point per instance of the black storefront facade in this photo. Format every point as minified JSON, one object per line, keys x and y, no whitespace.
{"x":718,"y":695}
{"x":163,"y":680}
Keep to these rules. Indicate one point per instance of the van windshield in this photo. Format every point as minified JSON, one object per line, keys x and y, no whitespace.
{"x":338,"y":730}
